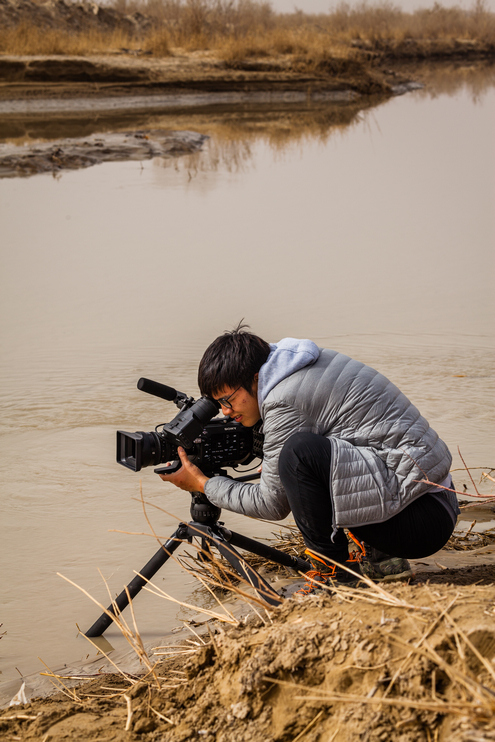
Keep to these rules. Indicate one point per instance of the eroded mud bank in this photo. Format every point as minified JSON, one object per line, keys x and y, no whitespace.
{"x":73,"y":154}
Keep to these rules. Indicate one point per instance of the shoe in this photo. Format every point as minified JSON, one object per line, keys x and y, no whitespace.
{"x":378,"y":566}
{"x":327,"y":575}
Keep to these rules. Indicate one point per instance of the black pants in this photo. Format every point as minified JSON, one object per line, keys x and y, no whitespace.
{"x":419,"y":530}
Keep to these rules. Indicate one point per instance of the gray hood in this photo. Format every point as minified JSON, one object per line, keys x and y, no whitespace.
{"x":286,"y":357}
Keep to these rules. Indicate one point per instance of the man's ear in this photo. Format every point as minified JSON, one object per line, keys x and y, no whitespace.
{"x":254,"y":385}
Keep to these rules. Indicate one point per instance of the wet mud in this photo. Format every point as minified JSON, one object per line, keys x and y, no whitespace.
{"x":244,"y":120}
{"x":76,"y":153}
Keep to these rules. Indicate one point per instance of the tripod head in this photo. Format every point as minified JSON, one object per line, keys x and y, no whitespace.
{"x":205,"y":512}
{"x":202,"y":510}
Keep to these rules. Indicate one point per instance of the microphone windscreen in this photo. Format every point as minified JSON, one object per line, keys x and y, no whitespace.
{"x":158,"y":390}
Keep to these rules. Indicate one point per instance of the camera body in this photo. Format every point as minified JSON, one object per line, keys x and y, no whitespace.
{"x":210,"y":444}
{"x":220,"y":443}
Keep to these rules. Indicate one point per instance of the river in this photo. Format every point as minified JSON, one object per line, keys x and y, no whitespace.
{"x":373,"y":234}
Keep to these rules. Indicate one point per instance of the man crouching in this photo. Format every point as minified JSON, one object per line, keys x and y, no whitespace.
{"x":343,"y":448}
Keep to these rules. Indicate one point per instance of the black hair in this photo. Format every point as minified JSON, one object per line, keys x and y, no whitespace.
{"x":232,"y":360}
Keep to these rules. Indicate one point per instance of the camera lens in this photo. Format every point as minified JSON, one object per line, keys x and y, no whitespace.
{"x":136,"y":450}
{"x":150,"y":449}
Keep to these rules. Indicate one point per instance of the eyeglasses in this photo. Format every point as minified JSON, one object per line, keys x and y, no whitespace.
{"x":224,"y":401}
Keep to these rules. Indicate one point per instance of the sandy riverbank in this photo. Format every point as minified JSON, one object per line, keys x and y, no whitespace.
{"x":121,"y":74}
{"x":48,"y":88}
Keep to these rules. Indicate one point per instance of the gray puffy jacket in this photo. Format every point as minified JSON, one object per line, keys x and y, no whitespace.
{"x":382,"y":448}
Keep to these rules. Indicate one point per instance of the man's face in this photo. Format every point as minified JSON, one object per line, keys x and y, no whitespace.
{"x":244,"y":404}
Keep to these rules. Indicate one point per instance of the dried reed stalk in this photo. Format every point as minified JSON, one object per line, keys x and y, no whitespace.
{"x":485,"y":697}
{"x":70,"y":692}
{"x":133,"y":638}
{"x":226,"y":618}
{"x":381,"y":595}
{"x":217,"y":565}
{"x":487,"y":665}
{"x":128,"y":701}
{"x":308,"y":727}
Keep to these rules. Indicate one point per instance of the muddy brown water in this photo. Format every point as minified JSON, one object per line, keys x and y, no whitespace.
{"x":372,"y":235}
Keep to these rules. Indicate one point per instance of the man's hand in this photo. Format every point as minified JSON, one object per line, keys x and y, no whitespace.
{"x":189,"y":477}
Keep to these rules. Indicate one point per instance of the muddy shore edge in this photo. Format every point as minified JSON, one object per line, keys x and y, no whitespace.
{"x":412,"y":663}
{"x":122,"y":74}
{"x":42,"y":94}
{"x":96,"y":98}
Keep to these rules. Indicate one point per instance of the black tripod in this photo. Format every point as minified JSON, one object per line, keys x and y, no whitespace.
{"x":205,"y":525}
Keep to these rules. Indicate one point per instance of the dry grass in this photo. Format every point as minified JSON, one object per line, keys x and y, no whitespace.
{"x":28,"y":38}
{"x":196,"y":24}
{"x":306,"y":49}
{"x":247,"y":28}
{"x":387,"y":23}
{"x":158,"y":43}
{"x":243,"y":29}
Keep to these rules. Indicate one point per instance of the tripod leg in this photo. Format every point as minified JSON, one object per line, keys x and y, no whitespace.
{"x":216,"y":538}
{"x":262,"y":550}
{"x":205,"y":555}
{"x":148,"y":571}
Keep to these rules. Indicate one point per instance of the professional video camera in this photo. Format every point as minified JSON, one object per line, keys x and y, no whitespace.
{"x":210,"y":444}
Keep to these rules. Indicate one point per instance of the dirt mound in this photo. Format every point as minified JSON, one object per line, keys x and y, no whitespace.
{"x":413,"y":664}
{"x":320,"y":668}
{"x":73,"y":16}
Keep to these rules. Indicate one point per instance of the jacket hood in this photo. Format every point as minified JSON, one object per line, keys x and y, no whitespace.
{"x":286,"y":357}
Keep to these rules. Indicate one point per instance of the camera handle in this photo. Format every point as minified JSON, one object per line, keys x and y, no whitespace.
{"x":171,"y":469}
{"x":205,"y":525}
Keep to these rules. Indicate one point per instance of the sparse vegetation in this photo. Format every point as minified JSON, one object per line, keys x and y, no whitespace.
{"x":158,"y":43}
{"x":248,"y":29}
{"x":29,"y":38}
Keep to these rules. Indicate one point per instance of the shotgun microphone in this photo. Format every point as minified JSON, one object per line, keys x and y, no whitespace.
{"x":158,"y":390}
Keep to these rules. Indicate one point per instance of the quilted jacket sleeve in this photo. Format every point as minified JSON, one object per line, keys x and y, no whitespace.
{"x":267,"y":499}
